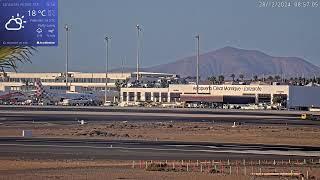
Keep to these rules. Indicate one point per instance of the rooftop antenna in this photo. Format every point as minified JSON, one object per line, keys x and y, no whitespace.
{"x":122,"y":65}
{"x":138,"y":49}
{"x":67,"y":28}
{"x":107,"y":39}
{"x":198,"y":56}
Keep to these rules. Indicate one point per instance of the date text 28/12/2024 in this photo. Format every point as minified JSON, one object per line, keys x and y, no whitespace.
{"x":288,"y":4}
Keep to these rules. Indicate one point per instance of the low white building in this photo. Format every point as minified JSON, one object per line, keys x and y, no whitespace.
{"x":292,"y":96}
{"x":77,"y":81}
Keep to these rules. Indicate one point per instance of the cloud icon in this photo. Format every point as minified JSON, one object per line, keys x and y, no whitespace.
{"x":15,"y":24}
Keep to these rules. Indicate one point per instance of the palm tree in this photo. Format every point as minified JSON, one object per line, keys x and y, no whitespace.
{"x":212,"y":79}
{"x":241,"y":76}
{"x":124,"y":83}
{"x":232,"y":76}
{"x":9,"y":56}
{"x":277,"y":78}
{"x":221,"y":79}
{"x":270,"y":78}
{"x":118,"y":84}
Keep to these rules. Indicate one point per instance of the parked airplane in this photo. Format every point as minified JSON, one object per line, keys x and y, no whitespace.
{"x":66,"y":98}
{"x":44,"y":96}
{"x":13,"y":97}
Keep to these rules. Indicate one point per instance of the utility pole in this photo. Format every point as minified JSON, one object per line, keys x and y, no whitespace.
{"x":107,"y":38}
{"x":67,"y":28}
{"x":198,"y":56}
{"x":122,"y":65}
{"x":138,"y":49}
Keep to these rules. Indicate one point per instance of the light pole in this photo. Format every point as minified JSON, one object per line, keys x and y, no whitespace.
{"x":138,"y":49}
{"x":107,"y":38}
{"x":67,"y":28}
{"x":198,"y":56}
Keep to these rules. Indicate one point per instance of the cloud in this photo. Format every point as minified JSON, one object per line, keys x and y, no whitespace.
{"x":13,"y":25}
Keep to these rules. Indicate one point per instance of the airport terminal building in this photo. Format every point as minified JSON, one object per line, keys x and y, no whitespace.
{"x":77,"y":81}
{"x":293,"y":96}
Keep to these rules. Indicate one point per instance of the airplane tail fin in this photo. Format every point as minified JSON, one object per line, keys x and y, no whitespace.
{"x":39,"y":89}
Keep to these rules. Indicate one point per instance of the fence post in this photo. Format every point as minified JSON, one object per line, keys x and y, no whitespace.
{"x":274,"y":162}
{"x":173,"y":165}
{"x":230,"y":170}
{"x":146,"y":164}
{"x":228,"y":162}
{"x":201,"y":168}
{"x":133,"y":164}
{"x":197,"y":163}
{"x":245,"y":170}
{"x":187,"y":167}
{"x":244,"y":162}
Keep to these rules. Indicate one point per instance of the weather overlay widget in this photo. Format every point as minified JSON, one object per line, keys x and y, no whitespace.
{"x":28,"y":22}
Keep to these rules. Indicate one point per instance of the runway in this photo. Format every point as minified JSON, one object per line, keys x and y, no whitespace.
{"x":68,"y":115}
{"x":152,"y":110}
{"x":48,"y":148}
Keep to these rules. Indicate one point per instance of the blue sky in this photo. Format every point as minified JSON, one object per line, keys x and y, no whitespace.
{"x":168,"y":30}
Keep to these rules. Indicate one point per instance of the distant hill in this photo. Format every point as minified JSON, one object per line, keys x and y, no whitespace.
{"x":229,"y":60}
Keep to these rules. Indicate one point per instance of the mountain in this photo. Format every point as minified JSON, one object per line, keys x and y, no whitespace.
{"x":229,"y":60}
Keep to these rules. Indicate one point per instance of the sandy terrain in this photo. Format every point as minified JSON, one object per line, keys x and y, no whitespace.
{"x":176,"y":131}
{"x":84,"y":170}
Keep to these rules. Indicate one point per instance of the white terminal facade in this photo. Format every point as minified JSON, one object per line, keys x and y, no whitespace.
{"x":294,"y":96}
{"x":78,"y":81}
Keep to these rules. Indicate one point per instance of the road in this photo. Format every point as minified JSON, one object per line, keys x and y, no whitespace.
{"x":46,"y":148}
{"x":71,"y":114}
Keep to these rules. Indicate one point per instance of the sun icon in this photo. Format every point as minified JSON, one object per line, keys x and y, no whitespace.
{"x":15,"y":23}
{"x":20,"y":20}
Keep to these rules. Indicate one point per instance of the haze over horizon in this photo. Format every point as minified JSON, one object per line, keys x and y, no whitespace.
{"x":169,"y":27}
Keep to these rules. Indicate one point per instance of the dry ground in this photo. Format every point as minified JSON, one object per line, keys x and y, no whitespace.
{"x":87,"y":170}
{"x":175,"y":131}
{"x":13,"y":169}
